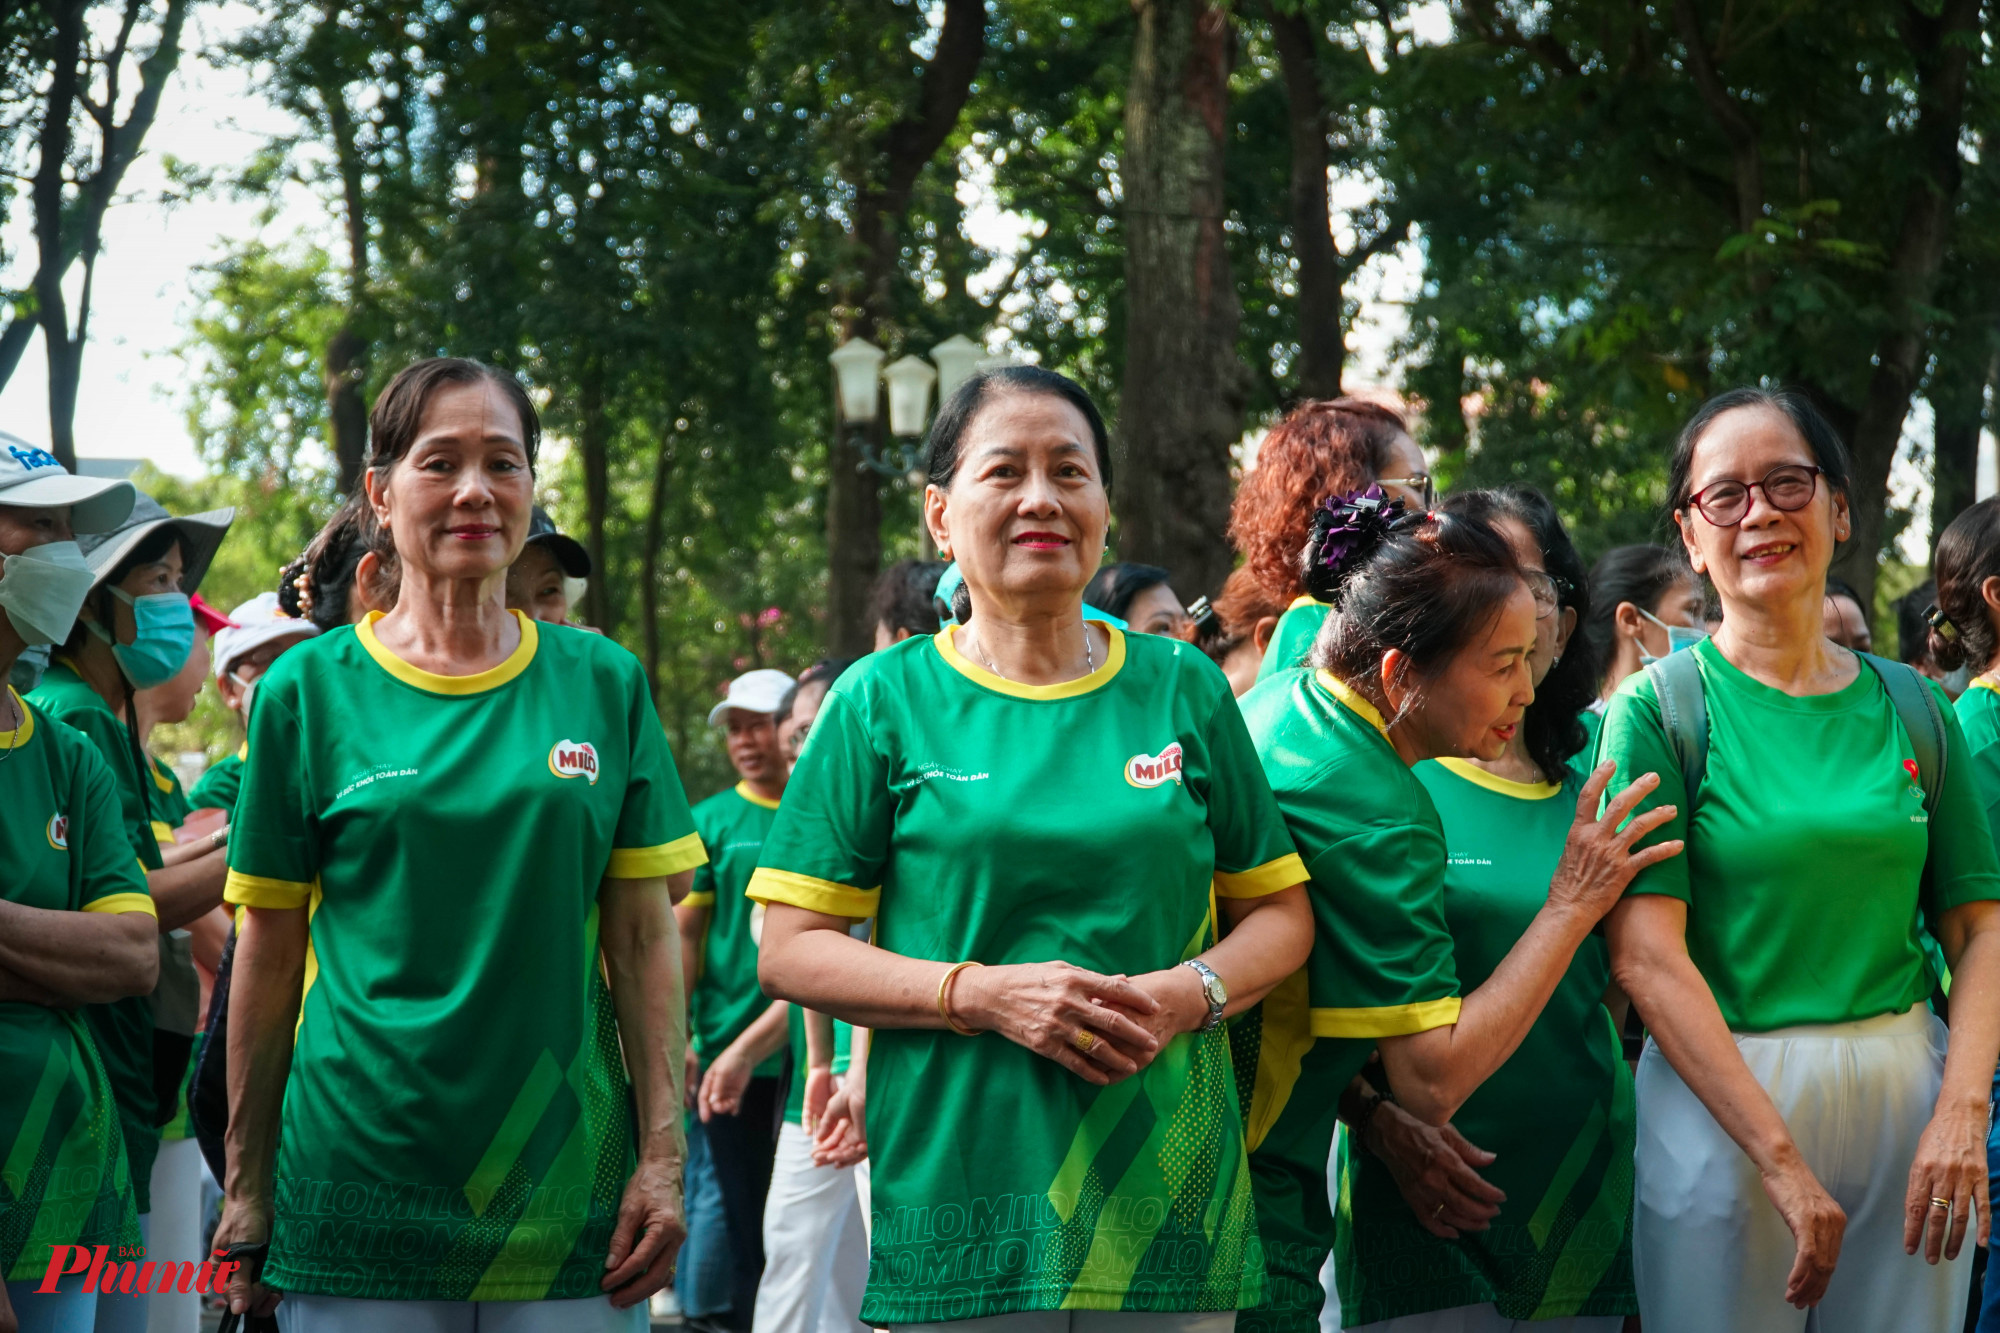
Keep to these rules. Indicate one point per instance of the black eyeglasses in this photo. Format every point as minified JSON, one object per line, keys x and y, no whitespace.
{"x":1789,"y":487}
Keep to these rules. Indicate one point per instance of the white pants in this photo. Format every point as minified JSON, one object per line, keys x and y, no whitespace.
{"x":1486,"y":1319}
{"x":175,"y":1233}
{"x":341,"y":1314}
{"x":815,"y":1249}
{"x":1710,"y":1252}
{"x":1083,"y":1321}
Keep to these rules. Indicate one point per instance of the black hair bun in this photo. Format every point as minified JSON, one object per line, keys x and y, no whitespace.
{"x":1346,"y":531}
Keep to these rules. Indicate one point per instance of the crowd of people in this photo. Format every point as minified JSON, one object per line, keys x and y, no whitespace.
{"x":1428,"y":933}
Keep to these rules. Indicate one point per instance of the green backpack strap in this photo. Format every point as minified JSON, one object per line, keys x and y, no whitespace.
{"x":1677,"y":685}
{"x":1917,"y":709}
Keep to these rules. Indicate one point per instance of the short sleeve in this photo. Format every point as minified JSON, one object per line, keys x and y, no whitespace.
{"x":273,"y":834}
{"x":1253,"y":850}
{"x":1386,"y":966}
{"x":830,"y":842}
{"x":1635,"y":739}
{"x":1963,"y":865}
{"x":656,"y":833}
{"x":112,"y":880}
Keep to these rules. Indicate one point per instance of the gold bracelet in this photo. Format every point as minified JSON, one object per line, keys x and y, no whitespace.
{"x":943,"y":999}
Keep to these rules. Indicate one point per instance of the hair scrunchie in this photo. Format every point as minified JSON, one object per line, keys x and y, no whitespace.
{"x":1346,"y":531}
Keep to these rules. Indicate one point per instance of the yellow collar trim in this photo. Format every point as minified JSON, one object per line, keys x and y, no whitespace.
{"x":243,"y":750}
{"x":1982,"y":683}
{"x":1357,"y":705}
{"x":1479,"y":777}
{"x":1114,"y":661}
{"x":478,"y":683}
{"x":743,"y":790}
{"x":160,"y":778}
{"x":1306,"y":599}
{"x":14,"y":740}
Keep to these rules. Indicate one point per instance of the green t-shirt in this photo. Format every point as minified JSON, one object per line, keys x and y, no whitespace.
{"x":1089,"y":821}
{"x":218,"y":787}
{"x":1805,"y":871}
{"x":1558,"y":1113}
{"x":727,"y":998}
{"x":64,"y":1178}
{"x":457,"y":1122}
{"x":168,"y":798}
{"x":843,"y":1037}
{"x":1381,"y":962}
{"x":123,"y":1029}
{"x":1978,"y":712}
{"x":1292,"y":640}
{"x":1584,"y":762}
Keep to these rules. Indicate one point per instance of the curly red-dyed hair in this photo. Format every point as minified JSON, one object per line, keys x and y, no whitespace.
{"x":1321,"y":448}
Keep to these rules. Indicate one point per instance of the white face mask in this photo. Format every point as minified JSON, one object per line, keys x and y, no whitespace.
{"x":249,"y":692}
{"x":1678,"y":637}
{"x":43,"y":588}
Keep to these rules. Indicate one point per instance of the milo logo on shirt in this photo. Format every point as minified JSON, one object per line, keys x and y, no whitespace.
{"x":574,"y":759}
{"x":59,"y":832}
{"x":1150,"y":770}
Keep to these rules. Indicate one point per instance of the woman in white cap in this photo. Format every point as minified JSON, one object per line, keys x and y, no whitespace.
{"x":258,"y":631}
{"x":135,"y":631}
{"x":76,"y":924}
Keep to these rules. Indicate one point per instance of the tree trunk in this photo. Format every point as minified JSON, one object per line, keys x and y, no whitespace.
{"x":1958,"y":404}
{"x":1321,"y":301}
{"x":593,"y":446}
{"x":347,"y":352}
{"x":1942,"y":58}
{"x":649,"y":599}
{"x":1184,"y":388}
{"x":905,"y":148}
{"x":346,"y":410}
{"x":51,"y":309}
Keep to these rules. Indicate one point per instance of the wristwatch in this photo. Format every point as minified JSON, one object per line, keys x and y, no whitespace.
{"x":1213,"y":991}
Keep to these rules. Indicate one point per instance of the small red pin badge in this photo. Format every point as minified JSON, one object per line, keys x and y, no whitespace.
{"x":1910,"y":767}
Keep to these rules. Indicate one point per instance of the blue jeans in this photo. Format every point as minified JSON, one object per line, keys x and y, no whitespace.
{"x":67,"y":1309}
{"x":705,"y":1276}
{"x":1989,"y":1299}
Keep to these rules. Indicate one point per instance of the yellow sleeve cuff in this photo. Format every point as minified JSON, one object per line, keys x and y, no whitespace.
{"x":1393,"y":1020}
{"x":815,"y":895}
{"x":257,"y":891}
{"x":703,"y":899}
{"x":1270,"y":877}
{"x":647,"y":862}
{"x":124,"y":902}
{"x":163,"y":833}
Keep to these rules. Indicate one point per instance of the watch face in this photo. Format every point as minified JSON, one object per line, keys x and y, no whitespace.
{"x":1217,"y":993}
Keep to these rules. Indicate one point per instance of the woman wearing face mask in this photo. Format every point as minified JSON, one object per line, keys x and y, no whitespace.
{"x":244,"y":650}
{"x":1644,"y":603}
{"x":483,"y":882}
{"x":1426,"y":653}
{"x":1546,"y":1235}
{"x":1796,"y":1106}
{"x":1318,"y":451}
{"x":76,"y":925}
{"x":134,"y":632}
{"x":1041,"y":808}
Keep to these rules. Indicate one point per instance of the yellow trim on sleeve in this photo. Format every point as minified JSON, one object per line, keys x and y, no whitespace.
{"x":1068,"y":689}
{"x":257,"y":891}
{"x":160,"y":779}
{"x":1270,"y":877}
{"x":1479,"y":777}
{"x":163,"y":833}
{"x":243,"y":750}
{"x":667,"y":859}
{"x":124,"y":902}
{"x":17,"y":737}
{"x":477,"y":683}
{"x":743,"y":790}
{"x":1391,"y":1020}
{"x":702,"y":899}
{"x":1306,"y":599}
{"x":815,"y":895}
{"x":1357,"y":705}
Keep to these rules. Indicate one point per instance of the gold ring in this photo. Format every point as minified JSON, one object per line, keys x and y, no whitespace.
{"x":1438,"y":1214}
{"x":1941,"y":1203}
{"x":1084,"y":1040}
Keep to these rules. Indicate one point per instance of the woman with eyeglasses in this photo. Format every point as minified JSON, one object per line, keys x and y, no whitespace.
{"x":1318,"y":451}
{"x":1521,"y":1207}
{"x":1804,"y":1138}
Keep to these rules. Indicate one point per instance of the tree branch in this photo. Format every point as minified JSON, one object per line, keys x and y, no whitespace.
{"x":1736,"y":128}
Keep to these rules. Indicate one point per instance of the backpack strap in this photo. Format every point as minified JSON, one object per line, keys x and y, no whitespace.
{"x":1917,"y":708}
{"x":1677,"y":684}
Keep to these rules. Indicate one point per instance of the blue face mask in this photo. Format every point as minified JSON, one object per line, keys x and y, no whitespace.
{"x":165,"y":624}
{"x":1678,"y":637}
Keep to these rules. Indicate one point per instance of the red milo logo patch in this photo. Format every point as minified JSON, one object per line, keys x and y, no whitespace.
{"x":574,"y":759}
{"x":1910,"y":767}
{"x":1150,"y":770}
